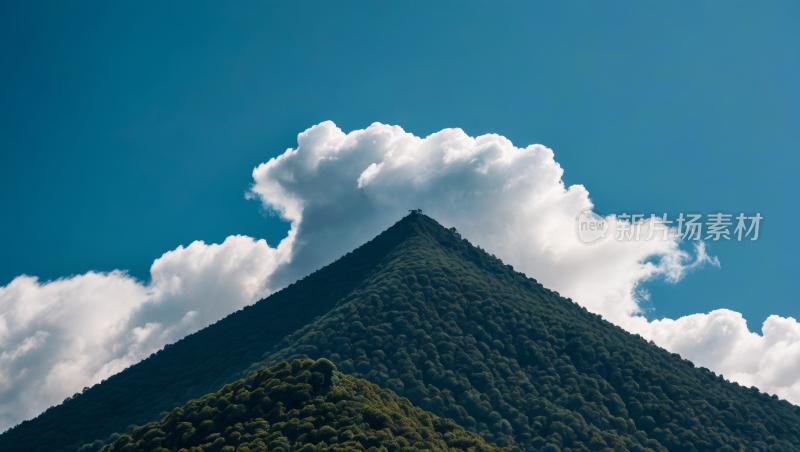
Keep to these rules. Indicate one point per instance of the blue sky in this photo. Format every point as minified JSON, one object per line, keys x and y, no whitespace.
{"x":127,"y":131}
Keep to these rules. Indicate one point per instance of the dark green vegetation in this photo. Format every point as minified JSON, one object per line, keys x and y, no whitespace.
{"x":303,"y":406}
{"x":200,"y":363}
{"x":463,"y":336}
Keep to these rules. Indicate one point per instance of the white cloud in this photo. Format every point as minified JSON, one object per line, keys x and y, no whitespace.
{"x":339,"y":190}
{"x":721,"y":342}
{"x":513,"y":202}
{"x":509,"y":200}
{"x":59,"y":336}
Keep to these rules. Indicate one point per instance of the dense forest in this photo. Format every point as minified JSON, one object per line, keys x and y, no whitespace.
{"x":462,"y":335}
{"x":423,"y":313}
{"x":302,"y":406}
{"x":200,"y":363}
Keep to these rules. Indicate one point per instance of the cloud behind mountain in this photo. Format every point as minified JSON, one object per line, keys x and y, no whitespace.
{"x":338,"y":190}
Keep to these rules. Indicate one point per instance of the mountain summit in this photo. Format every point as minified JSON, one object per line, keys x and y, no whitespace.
{"x":420,"y":311}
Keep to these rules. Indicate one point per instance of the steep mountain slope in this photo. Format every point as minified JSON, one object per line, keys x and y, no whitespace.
{"x":420,"y":311}
{"x":305,"y":406}
{"x":465,"y":337}
{"x":201,"y":362}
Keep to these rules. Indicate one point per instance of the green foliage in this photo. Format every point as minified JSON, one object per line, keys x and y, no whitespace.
{"x":462,"y":335}
{"x":199,"y":363}
{"x":423,"y":313}
{"x":299,"y":407}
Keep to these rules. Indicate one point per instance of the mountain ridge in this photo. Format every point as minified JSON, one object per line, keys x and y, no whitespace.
{"x":228,"y":346}
{"x":541,"y":349}
{"x":464,"y":336}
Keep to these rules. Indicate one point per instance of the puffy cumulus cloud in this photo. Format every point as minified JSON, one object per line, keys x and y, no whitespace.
{"x":721,"y":341}
{"x":57,"y":337}
{"x":339,"y":189}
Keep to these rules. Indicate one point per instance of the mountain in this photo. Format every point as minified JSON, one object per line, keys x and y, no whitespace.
{"x":202,"y":362}
{"x":304,"y":406}
{"x":422,"y":312}
{"x":462,"y":335}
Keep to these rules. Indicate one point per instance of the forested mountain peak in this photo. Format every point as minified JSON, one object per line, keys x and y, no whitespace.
{"x":420,"y":311}
{"x":466,"y":337}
